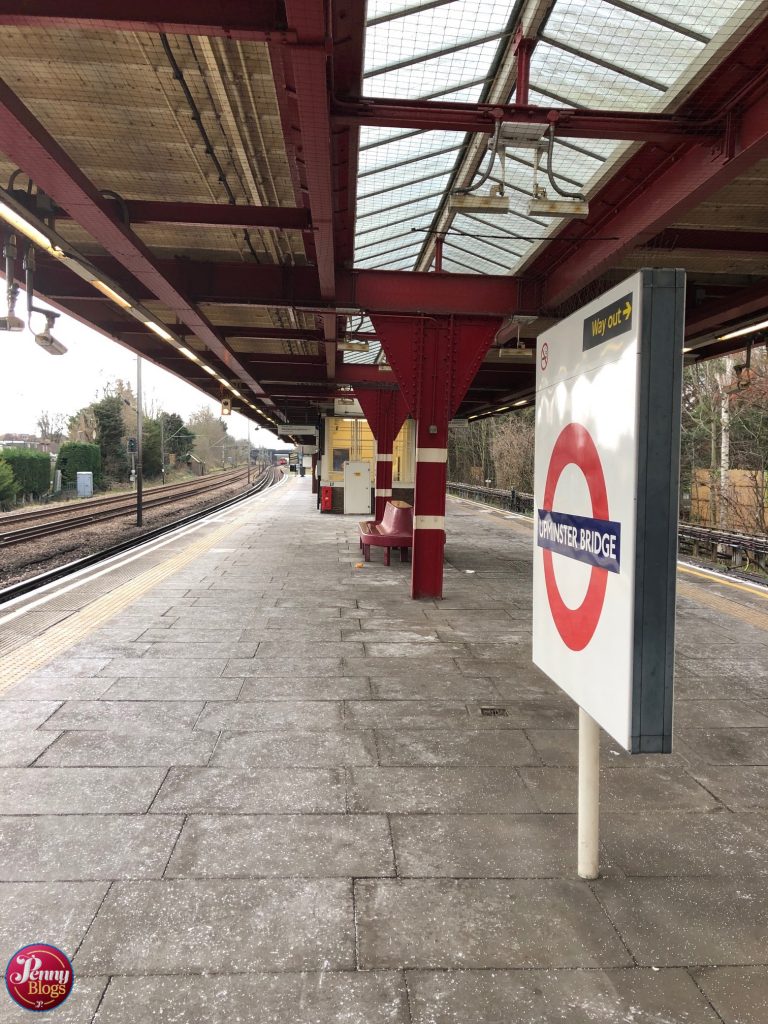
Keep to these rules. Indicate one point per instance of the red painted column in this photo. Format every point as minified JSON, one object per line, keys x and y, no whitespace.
{"x":434,"y":359}
{"x":385,"y":412}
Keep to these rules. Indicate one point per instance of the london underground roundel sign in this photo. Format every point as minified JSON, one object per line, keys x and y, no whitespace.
{"x":608,"y":382}
{"x":577,"y":537}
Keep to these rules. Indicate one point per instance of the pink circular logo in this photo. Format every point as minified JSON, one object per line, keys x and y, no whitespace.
{"x":39,"y":977}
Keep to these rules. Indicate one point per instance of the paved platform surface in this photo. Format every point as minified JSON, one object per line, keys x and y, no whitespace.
{"x":264,"y":791}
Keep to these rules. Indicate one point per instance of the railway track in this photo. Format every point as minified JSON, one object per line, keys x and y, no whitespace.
{"x":38,"y":523}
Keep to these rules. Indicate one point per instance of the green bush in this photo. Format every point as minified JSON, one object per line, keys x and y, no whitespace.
{"x":8,"y":486}
{"x":31,"y":470}
{"x":78,"y":457}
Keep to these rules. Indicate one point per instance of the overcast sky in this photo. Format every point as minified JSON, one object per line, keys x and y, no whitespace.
{"x":31,"y":380}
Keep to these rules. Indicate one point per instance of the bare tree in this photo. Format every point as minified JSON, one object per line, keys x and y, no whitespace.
{"x":52,"y":426}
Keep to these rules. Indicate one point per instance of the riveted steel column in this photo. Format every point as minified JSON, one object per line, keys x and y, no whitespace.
{"x":435,"y":351}
{"x":385,"y":412}
{"x":434,"y":359}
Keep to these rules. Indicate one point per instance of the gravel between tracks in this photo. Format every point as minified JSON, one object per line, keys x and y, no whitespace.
{"x":24,"y":560}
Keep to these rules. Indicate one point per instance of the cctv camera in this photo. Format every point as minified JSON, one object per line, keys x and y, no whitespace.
{"x":11,"y":323}
{"x":47,"y":341}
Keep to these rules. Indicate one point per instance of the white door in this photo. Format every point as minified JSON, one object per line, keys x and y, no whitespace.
{"x":357,"y":488}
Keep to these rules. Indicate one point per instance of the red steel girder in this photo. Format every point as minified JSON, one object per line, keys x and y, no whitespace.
{"x":30,"y":147}
{"x":435,"y":115}
{"x":140,"y":211}
{"x":251,"y":284}
{"x":658,"y":185}
{"x":254,"y":20}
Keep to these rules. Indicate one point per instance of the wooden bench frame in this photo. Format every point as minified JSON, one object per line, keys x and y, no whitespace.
{"x":394,"y":531}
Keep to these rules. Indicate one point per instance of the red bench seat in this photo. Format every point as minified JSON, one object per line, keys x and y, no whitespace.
{"x":394,"y":531}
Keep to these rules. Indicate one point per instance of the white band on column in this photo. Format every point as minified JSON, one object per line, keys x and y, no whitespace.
{"x":383,"y":458}
{"x":431,"y":454}
{"x":429,"y":522}
{"x":383,"y":492}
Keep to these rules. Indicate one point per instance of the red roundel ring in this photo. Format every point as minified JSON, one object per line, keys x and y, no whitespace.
{"x":576,"y":626}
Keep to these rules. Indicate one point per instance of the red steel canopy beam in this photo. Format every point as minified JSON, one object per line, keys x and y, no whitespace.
{"x":30,"y":147}
{"x":140,"y":211}
{"x":476,"y":118}
{"x":254,"y":20}
{"x":252,"y":284}
{"x":718,"y":314}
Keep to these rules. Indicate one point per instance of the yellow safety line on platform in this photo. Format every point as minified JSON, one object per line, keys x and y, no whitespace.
{"x":723,"y":582}
{"x":750,"y":616}
{"x":65,"y":634}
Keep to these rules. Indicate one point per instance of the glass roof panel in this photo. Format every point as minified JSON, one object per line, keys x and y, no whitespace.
{"x":436,"y":73}
{"x":617,"y":38}
{"x":604,"y":54}
{"x":413,"y":152}
{"x":432,"y":31}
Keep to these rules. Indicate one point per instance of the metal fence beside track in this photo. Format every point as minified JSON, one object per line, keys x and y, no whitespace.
{"x":739,"y":550}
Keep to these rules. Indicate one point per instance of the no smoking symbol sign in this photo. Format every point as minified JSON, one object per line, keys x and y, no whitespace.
{"x":544,"y":356}
{"x":576,"y":626}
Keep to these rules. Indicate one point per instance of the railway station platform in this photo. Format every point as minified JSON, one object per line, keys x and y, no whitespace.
{"x":246,"y":778}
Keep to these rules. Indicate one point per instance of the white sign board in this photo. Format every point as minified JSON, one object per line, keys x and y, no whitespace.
{"x":601,"y":528}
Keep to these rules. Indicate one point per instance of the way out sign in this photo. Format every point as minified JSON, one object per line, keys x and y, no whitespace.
{"x":606,"y":505}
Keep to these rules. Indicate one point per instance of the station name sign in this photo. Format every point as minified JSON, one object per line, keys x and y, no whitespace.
{"x":593,"y":541}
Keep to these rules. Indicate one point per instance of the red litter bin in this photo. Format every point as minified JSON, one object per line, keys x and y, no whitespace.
{"x":326,"y":499}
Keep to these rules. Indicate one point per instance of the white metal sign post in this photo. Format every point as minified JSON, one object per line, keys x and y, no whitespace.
{"x":608,"y":392}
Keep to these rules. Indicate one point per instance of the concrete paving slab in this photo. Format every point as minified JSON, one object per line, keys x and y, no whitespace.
{"x":145,"y":668}
{"x":728,"y":746}
{"x":557,"y":997}
{"x":78,"y":790}
{"x":20,"y":749}
{"x":721,"y":714}
{"x":560,"y":748}
{"x":127,"y":716}
{"x":740,"y":789}
{"x":672,"y":844}
{"x":79,"y":1007}
{"x":116,"y":748}
{"x":195,"y":927}
{"x":251,"y":791}
{"x":57,"y":690}
{"x":484,"y":846}
{"x":505,"y":747}
{"x":534,"y":713}
{"x":449,"y":687}
{"x":283,"y":747}
{"x":176,"y":687}
{"x":254,"y":716}
{"x":405,"y":714}
{"x":217,"y":650}
{"x":438,"y":791}
{"x":370,"y":997}
{"x":68,"y":847}
{"x":284,"y":846}
{"x":25,"y":714}
{"x":738,"y":994}
{"x":622,"y":788}
{"x":61,"y":913}
{"x":320,"y":668}
{"x":489,"y":924}
{"x":304,"y":688}
{"x":675,"y":922}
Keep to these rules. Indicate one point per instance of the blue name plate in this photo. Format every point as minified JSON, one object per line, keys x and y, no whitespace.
{"x":592,"y":541}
